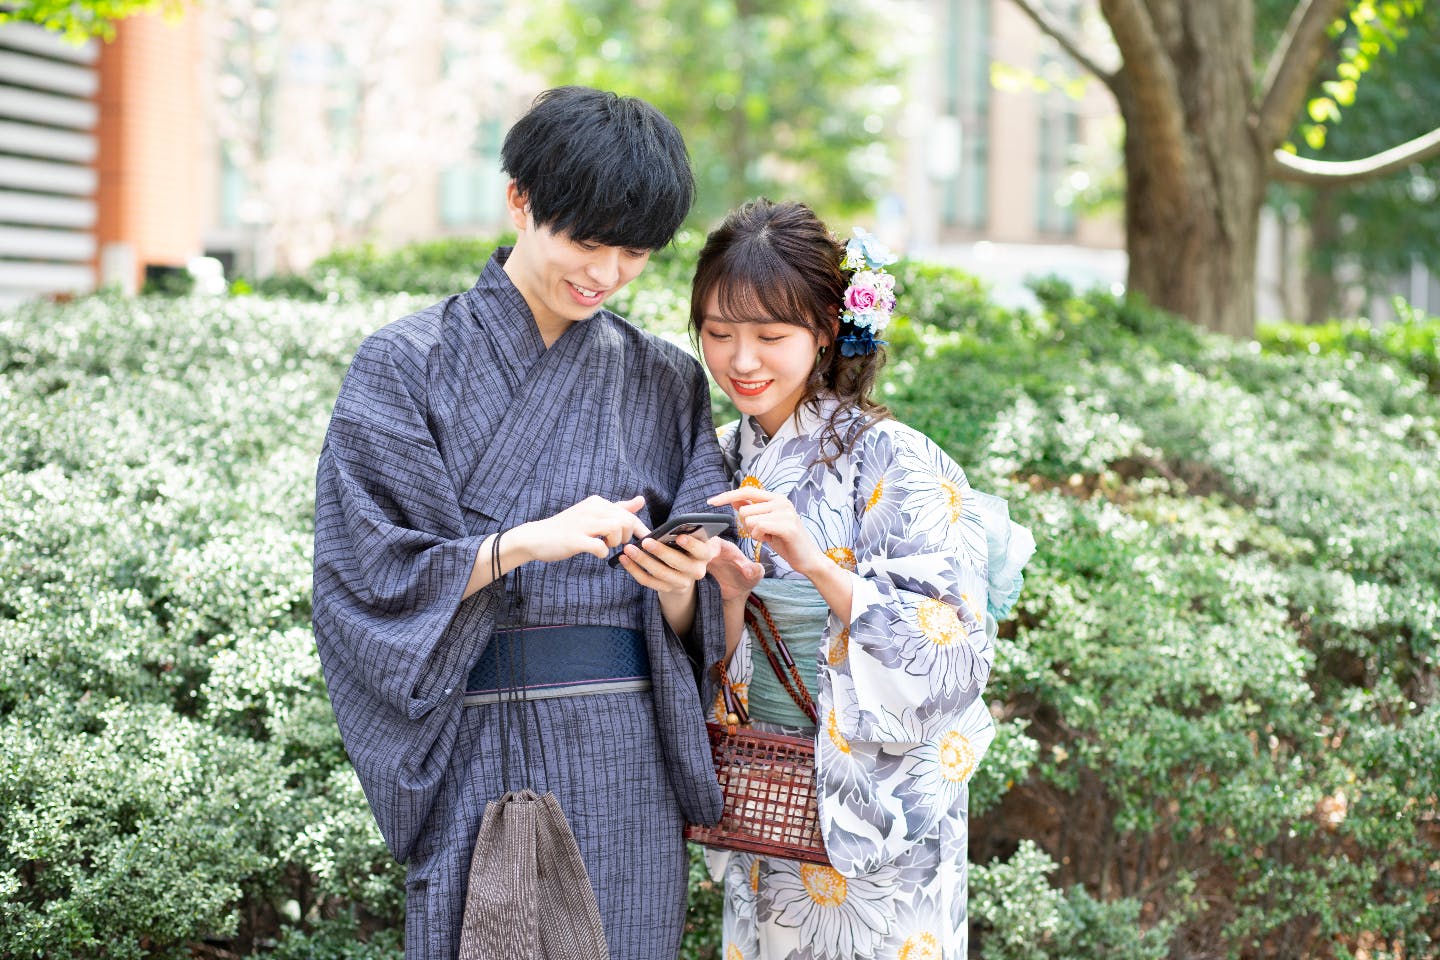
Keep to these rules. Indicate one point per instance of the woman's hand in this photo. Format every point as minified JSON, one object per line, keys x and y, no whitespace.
{"x":594,"y":525}
{"x":736,"y":573}
{"x":770,"y":519}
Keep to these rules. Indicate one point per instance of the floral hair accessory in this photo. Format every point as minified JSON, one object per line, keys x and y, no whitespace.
{"x":869,"y":297}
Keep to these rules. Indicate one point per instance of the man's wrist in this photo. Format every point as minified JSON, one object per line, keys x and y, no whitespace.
{"x":678,"y":608}
{"x":518,"y":544}
{"x":680,"y":593}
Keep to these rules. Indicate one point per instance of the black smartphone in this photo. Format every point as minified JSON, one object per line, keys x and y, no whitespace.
{"x":702,"y":525}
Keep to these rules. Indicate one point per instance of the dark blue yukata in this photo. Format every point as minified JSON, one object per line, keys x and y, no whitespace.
{"x":456,"y":422}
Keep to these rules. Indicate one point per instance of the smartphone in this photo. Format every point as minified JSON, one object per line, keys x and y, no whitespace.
{"x":702,"y":525}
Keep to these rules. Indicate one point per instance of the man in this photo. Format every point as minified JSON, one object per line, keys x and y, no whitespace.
{"x":483,"y":456}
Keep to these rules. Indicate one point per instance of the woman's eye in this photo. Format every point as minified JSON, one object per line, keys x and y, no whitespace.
{"x":772,"y":339}
{"x":717,"y":337}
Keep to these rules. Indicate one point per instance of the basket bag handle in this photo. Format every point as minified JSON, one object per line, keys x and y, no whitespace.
{"x":763,"y":629}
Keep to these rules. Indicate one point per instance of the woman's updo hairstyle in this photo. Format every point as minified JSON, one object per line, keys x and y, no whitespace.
{"x":777,"y":263}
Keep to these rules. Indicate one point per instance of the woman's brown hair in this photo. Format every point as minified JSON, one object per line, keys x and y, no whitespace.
{"x":777,"y":263}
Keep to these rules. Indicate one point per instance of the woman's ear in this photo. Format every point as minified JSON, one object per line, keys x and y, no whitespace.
{"x":518,"y":206}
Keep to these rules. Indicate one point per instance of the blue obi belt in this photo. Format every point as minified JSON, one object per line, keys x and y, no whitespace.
{"x":542,"y":662}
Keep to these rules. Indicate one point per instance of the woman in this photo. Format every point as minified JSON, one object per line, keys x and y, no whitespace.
{"x":882,"y":568}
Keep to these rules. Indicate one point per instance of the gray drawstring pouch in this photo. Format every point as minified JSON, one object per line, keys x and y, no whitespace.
{"x":529,"y":897}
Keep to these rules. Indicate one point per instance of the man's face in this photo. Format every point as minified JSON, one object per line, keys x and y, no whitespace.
{"x":564,"y":280}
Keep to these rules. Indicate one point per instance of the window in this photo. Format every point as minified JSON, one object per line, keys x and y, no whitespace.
{"x":1059,"y":135}
{"x":472,"y":192}
{"x":966,"y":92}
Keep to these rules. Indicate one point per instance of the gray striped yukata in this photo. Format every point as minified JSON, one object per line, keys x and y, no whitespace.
{"x":453,"y":423}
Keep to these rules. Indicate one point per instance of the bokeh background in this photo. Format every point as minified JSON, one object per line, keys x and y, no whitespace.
{"x":1216,"y":698}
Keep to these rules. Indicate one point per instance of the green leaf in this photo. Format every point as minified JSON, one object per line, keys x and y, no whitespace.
{"x":1343,"y":92}
{"x":1322,"y":110}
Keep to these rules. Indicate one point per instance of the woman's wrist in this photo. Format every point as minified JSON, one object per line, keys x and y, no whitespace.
{"x":816,"y":566}
{"x":834,"y":583}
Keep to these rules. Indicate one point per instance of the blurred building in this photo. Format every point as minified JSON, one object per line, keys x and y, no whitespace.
{"x":100,"y":162}
{"x":48,"y":179}
{"x":1009,"y":144}
{"x":384,"y":127}
{"x":243,"y":133}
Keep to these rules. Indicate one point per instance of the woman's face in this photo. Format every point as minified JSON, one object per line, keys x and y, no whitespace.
{"x":762,"y":365}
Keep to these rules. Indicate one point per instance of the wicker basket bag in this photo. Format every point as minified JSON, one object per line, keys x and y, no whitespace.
{"x":768,"y":778}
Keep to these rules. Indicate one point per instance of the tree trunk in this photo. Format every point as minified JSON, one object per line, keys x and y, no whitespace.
{"x":1192,"y":227}
{"x":1320,"y":264}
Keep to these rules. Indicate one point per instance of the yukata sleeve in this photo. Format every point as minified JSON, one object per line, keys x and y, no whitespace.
{"x":916,"y":649}
{"x":680,"y":684}
{"x":391,"y":556}
{"x":703,"y":476}
{"x":906,"y":722}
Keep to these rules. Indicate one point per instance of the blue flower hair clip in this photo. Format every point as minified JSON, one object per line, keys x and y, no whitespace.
{"x":869,"y":296}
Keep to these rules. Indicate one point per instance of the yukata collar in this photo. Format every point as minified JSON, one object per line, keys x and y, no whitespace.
{"x":494,"y":293}
{"x":809,"y":419}
{"x":499,"y":309}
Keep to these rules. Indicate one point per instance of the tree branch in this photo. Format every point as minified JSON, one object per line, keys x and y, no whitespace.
{"x":1292,"y":67}
{"x":1057,"y":32}
{"x":1149,"y":83}
{"x":1287,"y":166}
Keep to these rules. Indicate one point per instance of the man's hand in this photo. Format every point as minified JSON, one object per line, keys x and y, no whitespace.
{"x":594,"y":525}
{"x":669,"y":569}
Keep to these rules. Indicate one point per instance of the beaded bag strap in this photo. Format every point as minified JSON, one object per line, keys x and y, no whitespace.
{"x":783,"y":664}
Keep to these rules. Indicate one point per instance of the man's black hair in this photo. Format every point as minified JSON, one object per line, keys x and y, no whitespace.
{"x":601,"y":168}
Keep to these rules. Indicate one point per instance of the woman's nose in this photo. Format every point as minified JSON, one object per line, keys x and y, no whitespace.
{"x":746,"y":358}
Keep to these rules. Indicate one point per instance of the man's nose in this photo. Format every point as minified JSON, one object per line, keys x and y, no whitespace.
{"x":604,"y":267}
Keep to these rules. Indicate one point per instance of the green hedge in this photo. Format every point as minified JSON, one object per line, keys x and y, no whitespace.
{"x":1217,"y":697}
{"x":1414,"y":340}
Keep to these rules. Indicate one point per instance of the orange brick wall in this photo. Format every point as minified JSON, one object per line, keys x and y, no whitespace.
{"x":149,"y":137}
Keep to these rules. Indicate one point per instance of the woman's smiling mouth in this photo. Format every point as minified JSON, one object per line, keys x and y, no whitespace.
{"x":750,"y":388}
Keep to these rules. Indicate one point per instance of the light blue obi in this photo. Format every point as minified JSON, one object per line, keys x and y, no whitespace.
{"x":800,"y":615}
{"x":1009,"y":546}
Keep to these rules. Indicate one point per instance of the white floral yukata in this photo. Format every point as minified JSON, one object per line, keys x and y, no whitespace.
{"x":902,"y":719}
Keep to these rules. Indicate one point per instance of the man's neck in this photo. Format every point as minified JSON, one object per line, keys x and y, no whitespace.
{"x":551,"y":328}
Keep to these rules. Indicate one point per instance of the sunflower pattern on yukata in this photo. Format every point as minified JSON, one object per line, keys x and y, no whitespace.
{"x":902,"y":720}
